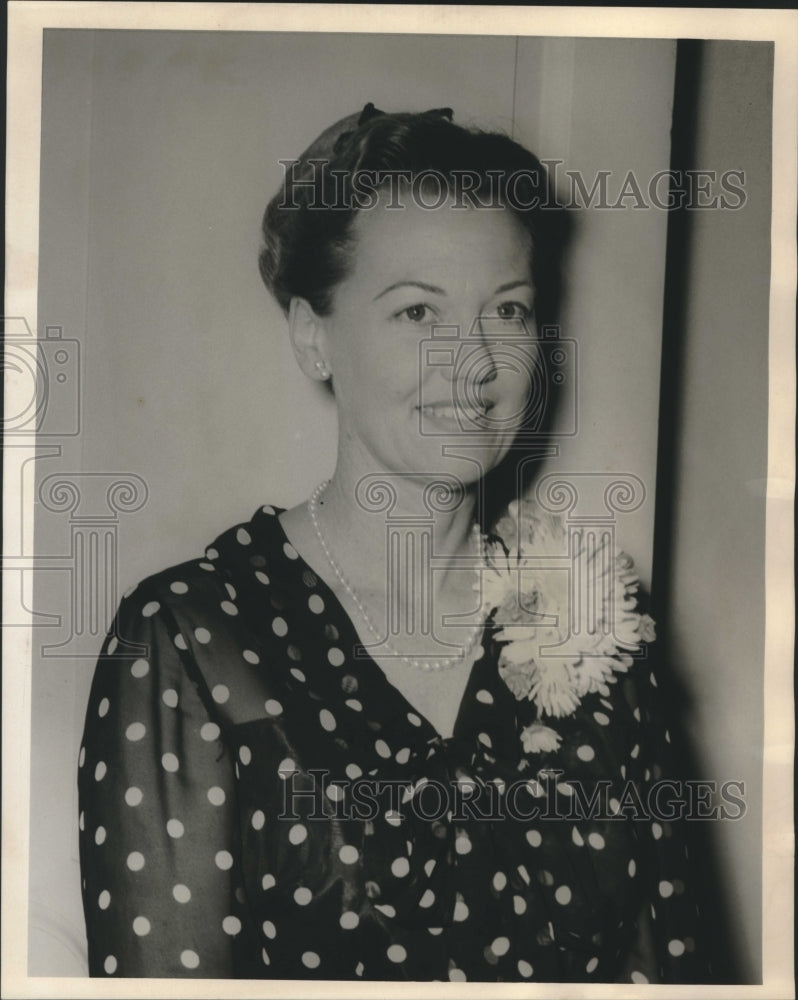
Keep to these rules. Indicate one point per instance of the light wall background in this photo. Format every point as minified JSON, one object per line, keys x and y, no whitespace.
{"x":159,"y":152}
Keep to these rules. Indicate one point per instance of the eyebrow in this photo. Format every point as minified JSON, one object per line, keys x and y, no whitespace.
{"x":435,"y":290}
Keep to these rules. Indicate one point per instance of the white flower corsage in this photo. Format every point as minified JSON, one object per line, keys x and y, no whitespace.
{"x":565,"y":604}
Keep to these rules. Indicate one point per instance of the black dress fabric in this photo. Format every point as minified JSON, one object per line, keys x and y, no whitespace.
{"x":258,"y":802}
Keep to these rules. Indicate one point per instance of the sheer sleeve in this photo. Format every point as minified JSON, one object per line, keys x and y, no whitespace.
{"x":162,"y":884}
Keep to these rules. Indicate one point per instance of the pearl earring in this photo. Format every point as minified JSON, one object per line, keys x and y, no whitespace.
{"x":322,"y":369}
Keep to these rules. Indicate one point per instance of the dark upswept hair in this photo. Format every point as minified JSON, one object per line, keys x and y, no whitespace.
{"x":308,"y":240}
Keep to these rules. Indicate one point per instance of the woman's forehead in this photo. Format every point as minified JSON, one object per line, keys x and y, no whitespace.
{"x":389,"y":237}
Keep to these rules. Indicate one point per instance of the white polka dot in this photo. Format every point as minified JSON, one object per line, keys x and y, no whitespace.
{"x":632,"y":868}
{"x":500,"y":946}
{"x":150,"y":608}
{"x":202,"y":635}
{"x":335,"y":656}
{"x":349,"y":920}
{"x":243,"y":537}
{"x":110,"y":965}
{"x":499,"y":881}
{"x":534,"y":838}
{"x":353,"y":772}
{"x":231,"y":925}
{"x":297,"y":834}
{"x":596,"y":841}
{"x":355,"y":705}
{"x":485,"y":740}
{"x":140,"y":668}
{"x":133,"y":796}
{"x":216,"y":796}
{"x":268,"y":882}
{"x":676,"y":948}
{"x":141,"y":926}
{"x":258,"y":819}
{"x":251,"y":656}
{"x":327,"y":720}
{"x":279,"y":626}
{"x":603,"y":720}
{"x":386,"y":909}
{"x":462,"y":844}
{"x":245,"y":755}
{"x":656,"y":831}
{"x":136,"y":731}
{"x":311,"y":960}
{"x":223,"y":860}
{"x":316,"y":604}
{"x":525,"y":969}
{"x":269,"y":929}
{"x":210,"y":732}
{"x":273,"y":707}
{"x":181,"y":893}
{"x":348,"y":854}
{"x":229,"y":608}
{"x":189,"y":959}
{"x":290,"y":551}
{"x":665,"y":889}
{"x":427,"y":899}
{"x":335,"y":792}
{"x":170,"y":698}
{"x":82,"y":821}
{"x":484,"y":696}
{"x":519,"y":905}
{"x":104,"y":899}
{"x":592,"y":965}
{"x":413,"y":719}
{"x":297,"y":673}
{"x":261,"y":577}
{"x":585,"y":752}
{"x":102,"y":708}
{"x":638,"y":977}
{"x":180,"y":641}
{"x":286,"y":768}
{"x":302,"y":896}
{"x":382,"y":749}
{"x":563,"y":895}
{"x":461,"y":911}
{"x":135,"y":861}
{"x":99,"y":835}
{"x":211,"y":553}
{"x":220,"y":693}
{"x":170,"y":762}
{"x":100,"y":771}
{"x":265,"y":956}
{"x":82,"y":757}
{"x":400,"y":867}
{"x":178,"y":587}
{"x":457,"y":976}
{"x":175,"y":828}
{"x":396,"y":953}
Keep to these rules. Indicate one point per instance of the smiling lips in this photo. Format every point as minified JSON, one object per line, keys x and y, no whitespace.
{"x":446,"y":411}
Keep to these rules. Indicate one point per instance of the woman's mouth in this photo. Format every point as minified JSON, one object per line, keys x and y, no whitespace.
{"x":459,"y":414}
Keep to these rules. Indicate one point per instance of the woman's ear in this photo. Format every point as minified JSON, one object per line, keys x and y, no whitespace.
{"x":308,"y":338}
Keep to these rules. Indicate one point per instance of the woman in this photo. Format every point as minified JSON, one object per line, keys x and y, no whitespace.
{"x":331,"y":748}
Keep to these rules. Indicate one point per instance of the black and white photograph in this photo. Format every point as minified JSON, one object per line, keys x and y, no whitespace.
{"x":398,"y":461}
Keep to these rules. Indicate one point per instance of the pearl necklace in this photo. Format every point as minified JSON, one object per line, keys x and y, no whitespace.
{"x":421,"y":663}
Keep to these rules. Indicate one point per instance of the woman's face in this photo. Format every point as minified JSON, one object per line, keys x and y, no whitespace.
{"x":431,"y":340}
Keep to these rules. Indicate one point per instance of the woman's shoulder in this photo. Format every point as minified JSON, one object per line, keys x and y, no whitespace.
{"x":241,"y":550}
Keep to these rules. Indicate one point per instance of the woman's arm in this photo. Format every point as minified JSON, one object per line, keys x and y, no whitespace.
{"x":162,"y":883}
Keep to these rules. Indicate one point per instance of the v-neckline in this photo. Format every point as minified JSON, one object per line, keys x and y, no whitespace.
{"x":367,"y":662}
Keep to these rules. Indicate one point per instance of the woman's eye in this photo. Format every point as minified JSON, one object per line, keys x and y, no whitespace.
{"x":513,"y":311}
{"x":416,"y":313}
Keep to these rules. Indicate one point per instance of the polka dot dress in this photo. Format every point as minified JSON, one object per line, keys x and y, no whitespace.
{"x":258,"y":801}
